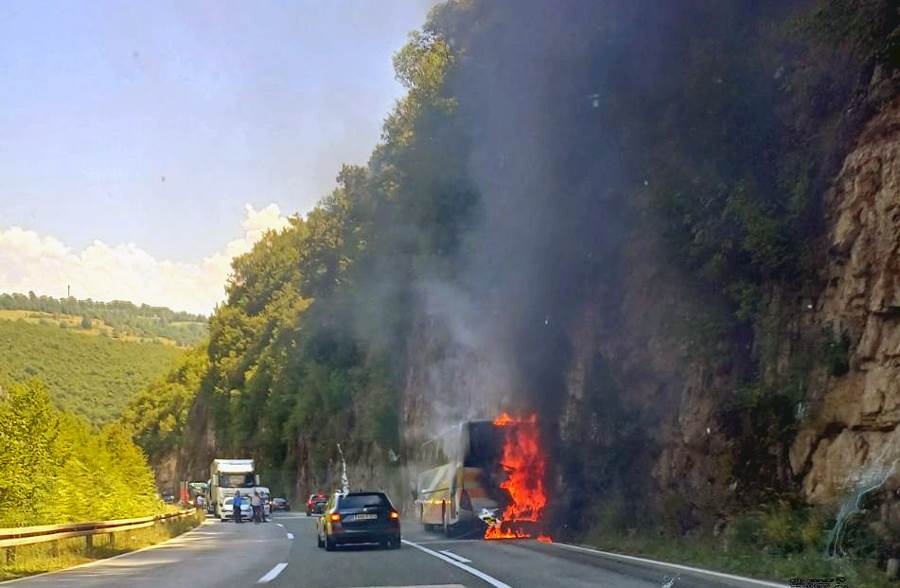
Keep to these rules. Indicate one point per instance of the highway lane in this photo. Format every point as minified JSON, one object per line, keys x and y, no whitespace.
{"x":514,"y":564}
{"x":283,"y":554}
{"x":214,"y":555}
{"x":360,"y":566}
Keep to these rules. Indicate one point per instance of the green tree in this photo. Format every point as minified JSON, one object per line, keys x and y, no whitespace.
{"x":55,"y":468}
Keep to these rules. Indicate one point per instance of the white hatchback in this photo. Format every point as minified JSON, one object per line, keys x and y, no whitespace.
{"x":228,"y":509}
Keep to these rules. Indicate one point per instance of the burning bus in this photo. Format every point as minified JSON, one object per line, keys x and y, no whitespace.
{"x":483,"y":473}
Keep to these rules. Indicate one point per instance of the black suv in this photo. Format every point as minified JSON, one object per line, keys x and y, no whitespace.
{"x":358,"y":517}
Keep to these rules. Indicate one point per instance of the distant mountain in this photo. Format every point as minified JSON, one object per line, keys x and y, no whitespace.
{"x":118,"y":319}
{"x":93,"y":376}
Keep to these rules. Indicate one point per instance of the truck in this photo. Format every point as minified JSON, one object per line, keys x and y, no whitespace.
{"x":227,"y":476}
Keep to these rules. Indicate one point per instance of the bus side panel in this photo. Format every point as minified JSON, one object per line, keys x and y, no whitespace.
{"x":433,"y":506}
{"x":434,"y":497}
{"x":439,"y":494}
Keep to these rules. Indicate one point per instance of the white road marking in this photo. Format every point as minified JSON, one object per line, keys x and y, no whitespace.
{"x":290,"y":535}
{"x":458,"y":558}
{"x":448,"y":541}
{"x":280,"y":525}
{"x":272,"y":574}
{"x":418,"y":586}
{"x":477,"y":573}
{"x":96,"y":562}
{"x":664,"y":564}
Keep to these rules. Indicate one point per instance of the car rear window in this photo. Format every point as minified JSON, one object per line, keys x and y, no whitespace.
{"x":363,"y":500}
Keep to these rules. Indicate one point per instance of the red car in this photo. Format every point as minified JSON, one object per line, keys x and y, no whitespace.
{"x":316,"y":504}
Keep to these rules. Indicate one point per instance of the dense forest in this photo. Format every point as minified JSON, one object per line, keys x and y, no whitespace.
{"x":90,"y":376}
{"x":540,"y":156}
{"x":158,"y":414}
{"x":122,"y":319}
{"x":56,"y":468}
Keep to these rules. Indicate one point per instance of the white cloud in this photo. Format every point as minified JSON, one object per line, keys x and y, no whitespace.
{"x":45,"y":265}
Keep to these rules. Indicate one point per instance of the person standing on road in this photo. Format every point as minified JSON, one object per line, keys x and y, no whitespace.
{"x":256,"y":503}
{"x":236,"y":506}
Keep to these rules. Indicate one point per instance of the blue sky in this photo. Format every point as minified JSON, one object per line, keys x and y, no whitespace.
{"x":152,"y":124}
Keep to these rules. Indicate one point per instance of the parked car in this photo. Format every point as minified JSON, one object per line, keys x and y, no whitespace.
{"x":316,"y":504}
{"x":228,"y":509}
{"x":358,"y":517}
{"x":280,"y":503}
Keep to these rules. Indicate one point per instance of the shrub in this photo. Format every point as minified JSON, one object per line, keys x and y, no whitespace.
{"x":781,"y":529}
{"x":836,"y":354}
{"x":609,"y":515}
{"x":746,"y":529}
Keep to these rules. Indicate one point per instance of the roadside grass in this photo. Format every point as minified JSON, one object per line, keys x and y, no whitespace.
{"x":38,"y":558}
{"x":712,"y":554}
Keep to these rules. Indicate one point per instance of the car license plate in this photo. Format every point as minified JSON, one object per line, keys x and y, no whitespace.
{"x":361,"y":517}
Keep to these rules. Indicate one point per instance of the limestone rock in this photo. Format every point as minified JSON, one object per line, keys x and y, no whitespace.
{"x":856,"y":421}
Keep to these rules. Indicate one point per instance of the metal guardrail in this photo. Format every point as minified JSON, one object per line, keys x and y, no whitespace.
{"x":42,"y":533}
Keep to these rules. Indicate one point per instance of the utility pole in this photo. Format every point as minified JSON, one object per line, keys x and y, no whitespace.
{"x":345,"y":482}
{"x":68,"y":291}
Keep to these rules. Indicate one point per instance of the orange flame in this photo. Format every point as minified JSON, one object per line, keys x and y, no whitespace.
{"x":523,"y":462}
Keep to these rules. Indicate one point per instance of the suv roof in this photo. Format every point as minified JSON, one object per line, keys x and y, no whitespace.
{"x":379,"y":498}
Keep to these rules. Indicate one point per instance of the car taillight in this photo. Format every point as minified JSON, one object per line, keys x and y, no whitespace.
{"x":394,"y":515}
{"x":335,"y":517}
{"x":465,"y":502}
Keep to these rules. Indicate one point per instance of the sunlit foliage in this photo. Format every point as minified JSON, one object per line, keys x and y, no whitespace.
{"x":121,"y":319}
{"x":157,"y":416}
{"x":93,"y":377}
{"x":56,"y":468}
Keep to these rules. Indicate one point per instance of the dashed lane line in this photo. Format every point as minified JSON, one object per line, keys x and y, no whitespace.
{"x":448,"y":541}
{"x":458,"y":558}
{"x":272,"y":574}
{"x":467,"y":568}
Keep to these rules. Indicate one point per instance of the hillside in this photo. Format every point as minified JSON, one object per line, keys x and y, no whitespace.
{"x":636,"y":226}
{"x":94,"y":377}
{"x":117,"y":319}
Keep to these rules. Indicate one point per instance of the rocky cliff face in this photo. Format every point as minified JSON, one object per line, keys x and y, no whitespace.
{"x":854,"y":418}
{"x":638,"y":383}
{"x":846,"y":426}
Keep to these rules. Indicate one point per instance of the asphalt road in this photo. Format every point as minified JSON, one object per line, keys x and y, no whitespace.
{"x":283,"y":554}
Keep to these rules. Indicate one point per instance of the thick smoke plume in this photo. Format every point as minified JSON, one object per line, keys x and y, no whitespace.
{"x":547,"y":171}
{"x":640,"y":168}
{"x":600,"y":134}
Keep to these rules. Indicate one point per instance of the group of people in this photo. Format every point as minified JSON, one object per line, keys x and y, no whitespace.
{"x":256,"y":503}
